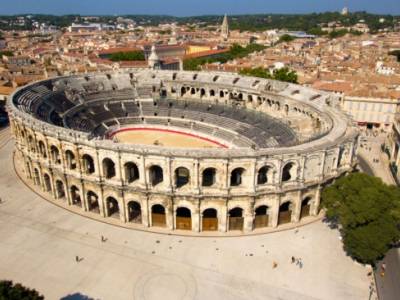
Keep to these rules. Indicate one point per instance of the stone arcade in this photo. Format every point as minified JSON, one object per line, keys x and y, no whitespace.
{"x":283,"y":143}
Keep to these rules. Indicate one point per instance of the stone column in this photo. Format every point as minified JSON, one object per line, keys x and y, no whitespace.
{"x":102,"y":204}
{"x":144,"y":206}
{"x":68,"y":191}
{"x":143,"y":173}
{"x":274,"y":216}
{"x":122,"y":208}
{"x":196,"y":220}
{"x":170,"y":220}
{"x":85,"y":206}
{"x":248,"y":222}
{"x":297,"y":208}
{"x":223,"y":218}
{"x":316,"y":202}
{"x":195,"y":180}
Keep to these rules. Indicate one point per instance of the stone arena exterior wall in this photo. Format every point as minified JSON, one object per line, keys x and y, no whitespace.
{"x":57,"y":161}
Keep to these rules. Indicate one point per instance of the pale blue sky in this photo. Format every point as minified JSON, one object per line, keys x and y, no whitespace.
{"x":193,"y":7}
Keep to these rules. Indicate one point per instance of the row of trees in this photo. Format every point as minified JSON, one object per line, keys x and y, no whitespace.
{"x":283,"y":74}
{"x":367,"y":213}
{"x":235,"y":51}
{"x":127,"y":56}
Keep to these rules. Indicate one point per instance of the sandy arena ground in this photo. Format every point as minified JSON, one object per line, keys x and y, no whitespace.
{"x":39,"y":242}
{"x":163,"y":138}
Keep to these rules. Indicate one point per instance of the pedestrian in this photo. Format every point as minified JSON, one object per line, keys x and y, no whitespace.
{"x":76,"y":258}
{"x":293,"y":259}
{"x":1,"y":200}
{"x":274,"y":265}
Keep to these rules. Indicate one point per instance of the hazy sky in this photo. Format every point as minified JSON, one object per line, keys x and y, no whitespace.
{"x":193,"y":7}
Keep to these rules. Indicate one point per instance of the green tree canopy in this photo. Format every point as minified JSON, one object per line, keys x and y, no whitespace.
{"x":127,"y":56}
{"x":10,"y":291}
{"x":256,"y":72}
{"x":367,"y":212}
{"x":284,"y":74}
{"x":6,"y":53}
{"x":286,"y":38}
{"x":235,"y":51}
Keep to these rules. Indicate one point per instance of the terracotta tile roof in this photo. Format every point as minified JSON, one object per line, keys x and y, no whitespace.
{"x":205,"y":53}
{"x":119,"y":49}
{"x":335,"y":86}
{"x":6,"y":90}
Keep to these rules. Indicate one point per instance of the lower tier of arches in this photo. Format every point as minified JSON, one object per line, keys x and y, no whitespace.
{"x":242,"y":213}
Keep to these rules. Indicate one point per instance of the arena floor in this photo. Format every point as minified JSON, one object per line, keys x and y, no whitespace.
{"x":39,"y":242}
{"x":164,"y":137}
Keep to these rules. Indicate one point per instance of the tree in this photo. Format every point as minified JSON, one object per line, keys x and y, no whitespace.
{"x":127,"y":56}
{"x":367,"y":212}
{"x":286,"y":38}
{"x":256,"y":72}
{"x":10,"y":291}
{"x":284,"y":74}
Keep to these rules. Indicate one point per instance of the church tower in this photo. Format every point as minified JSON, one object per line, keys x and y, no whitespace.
{"x":153,"y":60}
{"x":225,"y":28}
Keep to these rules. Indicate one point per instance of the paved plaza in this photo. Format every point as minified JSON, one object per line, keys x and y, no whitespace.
{"x":39,"y":243}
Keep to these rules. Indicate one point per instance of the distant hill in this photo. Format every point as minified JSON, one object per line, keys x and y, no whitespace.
{"x":260,"y":22}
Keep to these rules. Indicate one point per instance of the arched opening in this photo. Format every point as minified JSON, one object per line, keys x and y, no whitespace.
{"x":75,"y":196}
{"x":183,"y":91}
{"x":285,"y":213}
{"x":47,"y":183}
{"x":60,"y":191}
{"x":55,"y":155}
{"x":131,"y":172}
{"x":305,"y":207}
{"x":88,"y":164}
{"x":108,"y":168}
{"x":221,"y":94}
{"x":264,"y":175}
{"x":93,"y":202}
{"x":250,"y":98}
{"x":158,"y":217}
{"x":36,"y":177}
{"x":42,"y":149}
{"x":156,"y":175}
{"x":261,"y":217}
{"x":287,"y":172}
{"x":236,"y":219}
{"x":209,"y":177}
{"x":134,"y":212}
{"x":183,"y":218}
{"x":202,"y":93}
{"x":236,"y":176}
{"x":212,"y":93}
{"x":71,"y":161}
{"x":210,"y":220}
{"x":286,"y":108}
{"x":182,"y":177}
{"x":112,"y":207}
{"x":192,"y":91}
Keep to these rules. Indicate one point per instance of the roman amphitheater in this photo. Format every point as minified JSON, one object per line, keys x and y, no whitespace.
{"x":182,"y":150}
